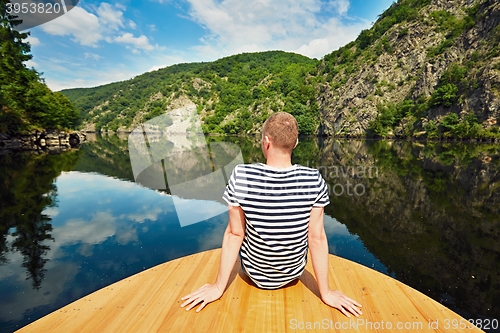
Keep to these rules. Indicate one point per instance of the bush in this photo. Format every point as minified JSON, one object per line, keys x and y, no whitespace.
{"x":389,"y":116}
{"x":432,"y":129}
{"x":450,"y":121}
{"x":445,"y":95}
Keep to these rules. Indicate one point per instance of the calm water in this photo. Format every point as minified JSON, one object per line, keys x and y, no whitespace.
{"x":427,"y":214}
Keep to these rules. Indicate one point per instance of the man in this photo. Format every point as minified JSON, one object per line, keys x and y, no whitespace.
{"x":275,"y":216}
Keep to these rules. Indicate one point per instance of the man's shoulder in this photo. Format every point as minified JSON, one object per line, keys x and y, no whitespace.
{"x":251,"y":166}
{"x":261,"y":166}
{"x":308,"y":169}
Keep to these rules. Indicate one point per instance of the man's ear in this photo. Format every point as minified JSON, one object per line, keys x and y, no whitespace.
{"x":296,"y":143}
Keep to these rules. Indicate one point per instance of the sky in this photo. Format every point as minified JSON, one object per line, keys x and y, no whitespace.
{"x":102,"y":42}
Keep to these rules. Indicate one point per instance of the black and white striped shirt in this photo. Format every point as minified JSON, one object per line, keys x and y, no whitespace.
{"x":277,"y":204}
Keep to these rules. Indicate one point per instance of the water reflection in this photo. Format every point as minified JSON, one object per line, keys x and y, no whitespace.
{"x":76,"y":222}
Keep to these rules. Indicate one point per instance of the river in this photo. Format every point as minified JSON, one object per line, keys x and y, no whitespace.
{"x":427,"y":214}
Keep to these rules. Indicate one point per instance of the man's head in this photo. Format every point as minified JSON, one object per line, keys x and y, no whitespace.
{"x":282,"y":130}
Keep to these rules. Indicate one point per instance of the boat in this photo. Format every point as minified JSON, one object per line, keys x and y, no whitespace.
{"x":150,"y":301}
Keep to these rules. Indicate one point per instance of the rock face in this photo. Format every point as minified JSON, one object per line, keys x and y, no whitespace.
{"x":46,"y":141}
{"x":410,"y":61}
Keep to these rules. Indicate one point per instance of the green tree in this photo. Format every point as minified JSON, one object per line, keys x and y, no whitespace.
{"x":14,"y":76}
{"x":25,"y":100}
{"x":445,"y":95}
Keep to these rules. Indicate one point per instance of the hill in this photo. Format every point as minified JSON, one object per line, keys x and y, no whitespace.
{"x":233,"y":95}
{"x":427,"y":68}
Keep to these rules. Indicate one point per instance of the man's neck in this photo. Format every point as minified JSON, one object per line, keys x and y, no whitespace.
{"x":279,"y":161}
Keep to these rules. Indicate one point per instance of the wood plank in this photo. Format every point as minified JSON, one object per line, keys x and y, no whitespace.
{"x":150,"y":302}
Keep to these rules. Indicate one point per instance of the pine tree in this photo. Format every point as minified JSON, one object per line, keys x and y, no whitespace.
{"x":14,"y":76}
{"x":25,"y":101}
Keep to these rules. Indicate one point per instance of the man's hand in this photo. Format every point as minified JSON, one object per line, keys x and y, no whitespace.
{"x":204,"y":295}
{"x":338,"y":300}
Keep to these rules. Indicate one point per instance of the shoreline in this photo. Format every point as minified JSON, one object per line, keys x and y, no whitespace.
{"x":43,"y":140}
{"x":341,"y":137}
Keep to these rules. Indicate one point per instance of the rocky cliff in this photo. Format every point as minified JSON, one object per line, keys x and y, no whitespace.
{"x":420,"y":63}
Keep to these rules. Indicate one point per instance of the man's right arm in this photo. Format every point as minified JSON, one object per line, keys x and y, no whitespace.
{"x":318,"y":246}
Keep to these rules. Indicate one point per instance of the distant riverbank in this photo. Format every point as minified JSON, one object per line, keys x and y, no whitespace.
{"x":50,"y":140}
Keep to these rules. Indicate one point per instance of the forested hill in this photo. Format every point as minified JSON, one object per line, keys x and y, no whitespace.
{"x":26,"y":103}
{"x":233,"y":95}
{"x":427,"y":68}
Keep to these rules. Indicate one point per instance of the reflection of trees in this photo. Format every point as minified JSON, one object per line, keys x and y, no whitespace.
{"x":27,"y":188}
{"x":29,"y":241}
{"x":106,"y":155}
{"x":431,"y":215}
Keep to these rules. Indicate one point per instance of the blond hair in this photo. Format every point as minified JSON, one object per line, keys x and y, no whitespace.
{"x":283,"y":130}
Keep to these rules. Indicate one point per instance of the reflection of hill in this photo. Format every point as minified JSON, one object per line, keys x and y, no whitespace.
{"x":27,"y":189}
{"x":430,"y":216}
{"x":107,"y":156}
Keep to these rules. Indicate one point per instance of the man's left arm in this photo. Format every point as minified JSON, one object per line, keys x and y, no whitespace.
{"x":231,"y":244}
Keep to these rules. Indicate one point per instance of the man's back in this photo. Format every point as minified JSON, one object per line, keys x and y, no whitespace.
{"x":277,"y":203}
{"x":275,"y":214}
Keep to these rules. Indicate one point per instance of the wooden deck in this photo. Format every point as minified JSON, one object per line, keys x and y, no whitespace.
{"x":150,"y":302}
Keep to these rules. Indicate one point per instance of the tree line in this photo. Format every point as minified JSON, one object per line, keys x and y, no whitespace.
{"x":26,"y":103}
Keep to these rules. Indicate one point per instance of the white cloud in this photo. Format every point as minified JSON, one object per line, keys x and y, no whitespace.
{"x":315,"y":47}
{"x":164,"y":61}
{"x":30,"y":63}
{"x":136,"y":43}
{"x":243,"y":26}
{"x":33,"y":41}
{"x":79,"y":78}
{"x":341,"y":6}
{"x":111,"y":16}
{"x":82,"y":25}
{"x":92,"y":56}
{"x":106,"y":24}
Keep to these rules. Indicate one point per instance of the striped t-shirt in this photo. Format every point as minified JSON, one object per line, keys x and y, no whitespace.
{"x":277,"y":204}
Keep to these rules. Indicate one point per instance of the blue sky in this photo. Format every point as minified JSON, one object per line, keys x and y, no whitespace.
{"x":102,"y":42}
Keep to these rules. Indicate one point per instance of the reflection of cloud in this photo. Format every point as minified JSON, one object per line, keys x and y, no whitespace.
{"x":126,"y":235}
{"x":95,"y":231}
{"x":86,"y":249}
{"x":51,"y":211}
{"x":73,"y":184}
{"x":151,"y":215}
